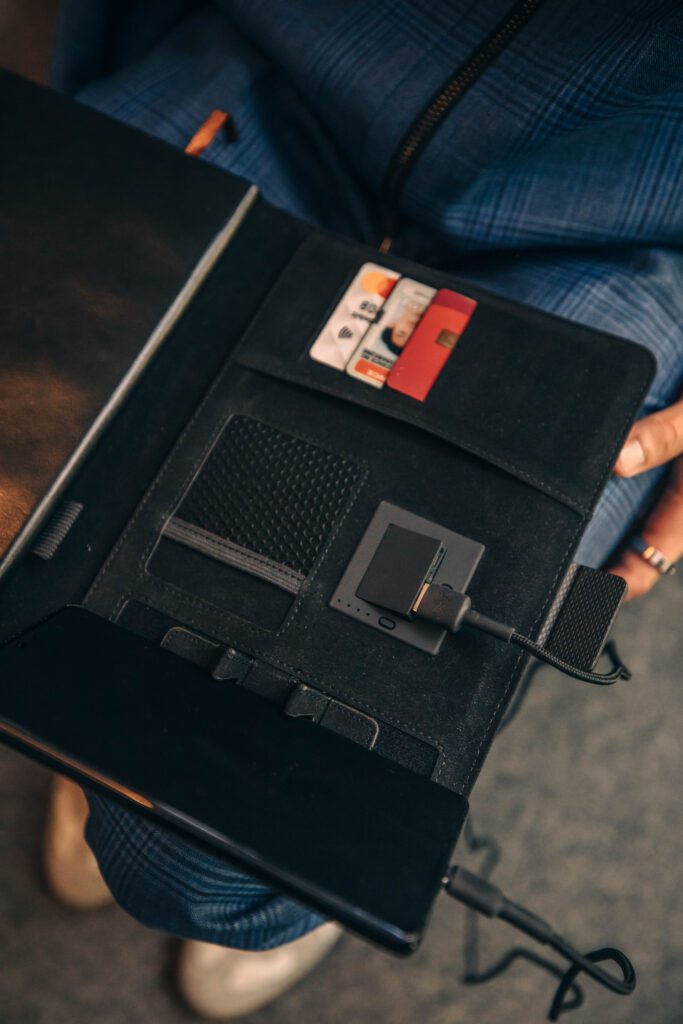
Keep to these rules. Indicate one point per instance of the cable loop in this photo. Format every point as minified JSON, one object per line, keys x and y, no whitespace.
{"x":624,"y":988}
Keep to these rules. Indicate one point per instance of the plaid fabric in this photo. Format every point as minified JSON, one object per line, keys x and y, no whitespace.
{"x":556,"y":180}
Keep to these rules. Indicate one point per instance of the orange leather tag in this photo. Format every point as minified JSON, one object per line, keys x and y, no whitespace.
{"x":207,"y":132}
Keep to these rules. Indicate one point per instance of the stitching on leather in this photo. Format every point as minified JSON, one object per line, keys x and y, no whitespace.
{"x":118,"y":607}
{"x":581,"y":509}
{"x":326,"y":547}
{"x":160,"y":477}
{"x":633,"y":408}
{"x":228,"y":366}
{"x":264,"y":365}
{"x":182,"y":596}
{"x":184,"y":600}
{"x":616,"y":447}
{"x":244,"y":553}
{"x":180,"y":493}
{"x":188,"y":637}
{"x":214,"y":546}
{"x":270,"y":659}
{"x":371,"y":728}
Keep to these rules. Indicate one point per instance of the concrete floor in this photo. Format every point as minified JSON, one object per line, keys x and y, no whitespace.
{"x":583,"y":791}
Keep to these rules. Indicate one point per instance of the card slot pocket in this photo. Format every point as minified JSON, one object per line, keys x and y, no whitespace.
{"x":539,"y":397}
{"x":222,"y":550}
{"x":246,"y":531}
{"x":225,"y":586}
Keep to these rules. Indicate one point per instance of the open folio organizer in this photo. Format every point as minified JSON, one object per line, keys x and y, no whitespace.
{"x":192,"y":504}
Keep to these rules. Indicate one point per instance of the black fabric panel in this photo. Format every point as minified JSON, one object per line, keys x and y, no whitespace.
{"x":269,"y":492}
{"x":450,"y":702}
{"x":404,"y":749}
{"x":428,"y":458}
{"x":511,"y":447}
{"x":275,"y":686}
{"x":221,"y":585}
{"x":193,"y":647}
{"x":545,"y":399}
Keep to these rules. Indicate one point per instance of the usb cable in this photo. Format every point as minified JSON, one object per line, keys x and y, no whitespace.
{"x":481,"y":895}
{"x":451,"y":610}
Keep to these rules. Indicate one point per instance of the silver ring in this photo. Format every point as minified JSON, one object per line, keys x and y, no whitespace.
{"x":653,"y":556}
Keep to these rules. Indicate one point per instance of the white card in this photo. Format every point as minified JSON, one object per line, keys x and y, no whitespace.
{"x":385,"y":340}
{"x":356,"y":311}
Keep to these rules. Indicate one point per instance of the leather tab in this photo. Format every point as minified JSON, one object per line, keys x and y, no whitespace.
{"x":306,"y":702}
{"x":223,"y":663}
{"x":232,"y":665}
{"x":190,"y":646}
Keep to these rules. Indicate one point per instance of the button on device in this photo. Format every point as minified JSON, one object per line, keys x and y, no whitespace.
{"x":387,"y":623}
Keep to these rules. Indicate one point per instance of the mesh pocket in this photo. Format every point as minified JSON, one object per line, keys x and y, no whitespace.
{"x":269,"y":493}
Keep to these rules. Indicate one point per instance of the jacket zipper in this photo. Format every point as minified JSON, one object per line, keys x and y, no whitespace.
{"x":424,"y":126}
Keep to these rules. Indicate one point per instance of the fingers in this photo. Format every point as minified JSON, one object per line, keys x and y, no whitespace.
{"x":664,"y":529}
{"x":654,"y":440}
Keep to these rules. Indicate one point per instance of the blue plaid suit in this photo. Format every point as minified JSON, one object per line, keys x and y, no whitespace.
{"x":555,"y":180}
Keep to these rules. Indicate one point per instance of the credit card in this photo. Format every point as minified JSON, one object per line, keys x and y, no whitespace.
{"x":385,"y":340}
{"x":433,"y":340}
{"x":356,"y":311}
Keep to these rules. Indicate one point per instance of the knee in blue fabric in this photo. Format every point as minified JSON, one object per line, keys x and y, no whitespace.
{"x":169,"y":883}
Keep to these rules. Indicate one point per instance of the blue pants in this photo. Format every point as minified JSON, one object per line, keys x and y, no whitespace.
{"x":568,"y":199}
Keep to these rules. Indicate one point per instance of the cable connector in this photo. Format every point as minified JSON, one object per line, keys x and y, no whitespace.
{"x":481,"y":895}
{"x":442,"y":606}
{"x":452,"y":610}
{"x":399,"y":577}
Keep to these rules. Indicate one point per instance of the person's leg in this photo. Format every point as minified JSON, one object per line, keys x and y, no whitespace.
{"x":273,"y":942}
{"x":167,"y":881}
{"x":71,"y":870}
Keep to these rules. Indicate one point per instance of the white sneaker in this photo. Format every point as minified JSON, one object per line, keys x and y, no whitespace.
{"x":71,"y":870}
{"x":222,"y":984}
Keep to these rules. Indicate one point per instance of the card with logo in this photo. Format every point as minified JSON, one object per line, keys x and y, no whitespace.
{"x":433,"y":340}
{"x":385,"y":340}
{"x":358,"y":308}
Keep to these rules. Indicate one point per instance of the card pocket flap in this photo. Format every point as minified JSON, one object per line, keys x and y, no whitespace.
{"x":545,"y":399}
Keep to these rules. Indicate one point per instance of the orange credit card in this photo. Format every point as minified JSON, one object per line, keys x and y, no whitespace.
{"x":431,"y":344}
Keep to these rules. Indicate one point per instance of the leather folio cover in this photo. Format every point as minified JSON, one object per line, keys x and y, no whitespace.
{"x":231,"y":477}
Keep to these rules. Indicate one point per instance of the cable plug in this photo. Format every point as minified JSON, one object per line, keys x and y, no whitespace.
{"x":452,"y":610}
{"x":481,"y":895}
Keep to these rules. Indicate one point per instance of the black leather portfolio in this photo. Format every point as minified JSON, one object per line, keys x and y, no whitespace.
{"x":183,"y":492}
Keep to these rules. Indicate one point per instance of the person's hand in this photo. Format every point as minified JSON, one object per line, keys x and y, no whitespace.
{"x":653,"y":441}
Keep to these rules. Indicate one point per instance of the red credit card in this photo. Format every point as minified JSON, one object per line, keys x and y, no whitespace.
{"x":432,"y":342}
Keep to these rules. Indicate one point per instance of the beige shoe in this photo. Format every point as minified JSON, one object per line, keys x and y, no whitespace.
{"x":71,"y":870}
{"x":222,"y":984}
